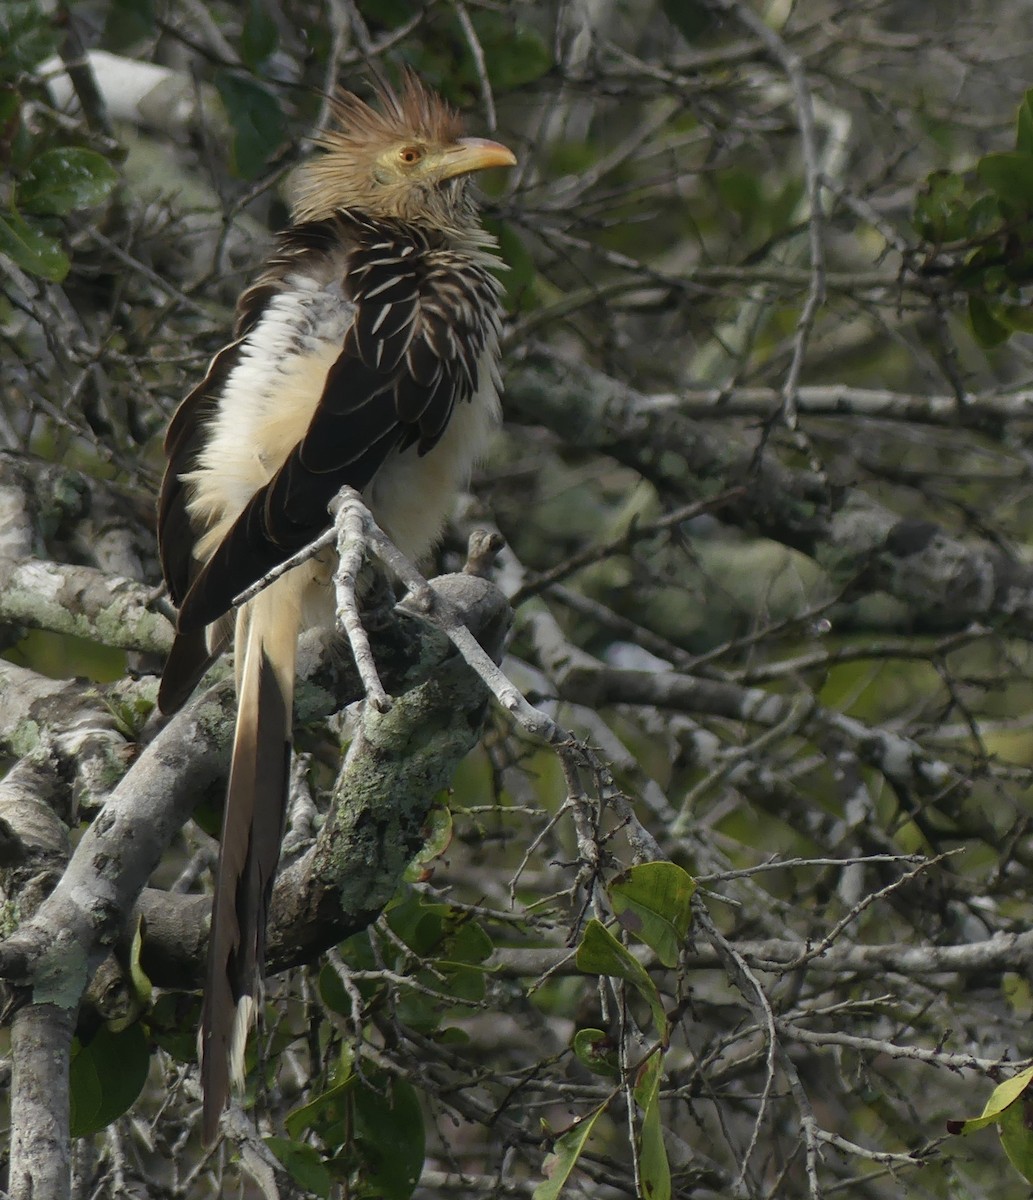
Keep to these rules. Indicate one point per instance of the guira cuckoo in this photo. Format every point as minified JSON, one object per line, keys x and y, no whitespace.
{"x":365,"y":354}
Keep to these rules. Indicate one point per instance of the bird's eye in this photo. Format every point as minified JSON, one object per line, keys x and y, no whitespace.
{"x":410,"y":155}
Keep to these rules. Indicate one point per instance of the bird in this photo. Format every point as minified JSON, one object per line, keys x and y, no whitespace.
{"x":364,"y":354}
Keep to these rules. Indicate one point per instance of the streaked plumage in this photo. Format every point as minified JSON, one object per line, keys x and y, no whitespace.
{"x":365,"y":354}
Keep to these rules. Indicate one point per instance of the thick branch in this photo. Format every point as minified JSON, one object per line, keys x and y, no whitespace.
{"x":900,"y":759}
{"x":84,"y":602}
{"x":85,"y":729}
{"x":41,"y":1040}
{"x":398,"y":763}
{"x":1001,"y":952}
{"x":396,"y":766}
{"x":57,"y":949}
{"x":980,"y":410}
{"x":36,"y":849}
{"x":946,"y":583}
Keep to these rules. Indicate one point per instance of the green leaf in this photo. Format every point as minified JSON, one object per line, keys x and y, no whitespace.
{"x":452,"y":1035}
{"x":942,"y":208}
{"x":984,"y":215}
{"x":332,"y":991}
{"x":1004,"y":1095}
{"x":259,"y":37}
{"x":86,"y":1094}
{"x":127,"y":23}
{"x":741,"y":189}
{"x":988,"y":329}
{"x":653,"y":1164}
{"x":106,"y":1076}
{"x":393,"y":12}
{"x":303,"y":1164}
{"x":1024,"y":125}
{"x":565,"y":1153}
{"x":389,"y":1130}
{"x":1016,"y":990}
{"x":142,"y":989}
{"x":653,"y":901}
{"x":258,"y":123}
{"x":595,"y":1050}
{"x":1018,"y":317}
{"x":418,"y":1011}
{"x":468,"y":943}
{"x":32,"y":249}
{"x":26,"y":37}
{"x":172,"y":1022}
{"x":601,"y":954}
{"x":61,"y":180}
{"x":1015,"y":1129}
{"x":419,"y":924}
{"x":438,"y":830}
{"x":142,"y":986}
{"x":1010,"y":175}
{"x":462,"y":981}
{"x":439,"y":931}
{"x":689,"y":18}
{"x":326,"y":1115}
{"x":517,"y":53}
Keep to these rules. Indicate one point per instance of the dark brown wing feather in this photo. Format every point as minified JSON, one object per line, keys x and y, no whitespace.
{"x":190,"y":657}
{"x":187,"y":430}
{"x":178,"y":533}
{"x":422,"y":320}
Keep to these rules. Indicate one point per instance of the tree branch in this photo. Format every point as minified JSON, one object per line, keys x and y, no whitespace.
{"x":945,"y":582}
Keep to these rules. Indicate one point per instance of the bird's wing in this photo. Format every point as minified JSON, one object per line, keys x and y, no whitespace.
{"x":178,"y":530}
{"x":178,"y":533}
{"x":410,"y":354}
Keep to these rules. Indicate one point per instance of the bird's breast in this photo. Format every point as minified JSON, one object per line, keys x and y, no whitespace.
{"x":412,"y":496}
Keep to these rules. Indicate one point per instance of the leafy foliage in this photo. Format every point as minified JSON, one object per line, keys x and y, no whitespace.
{"x":1009,"y":1108}
{"x":566,"y":1150}
{"x":978,"y":227}
{"x":257,"y":121}
{"x":53,"y":179}
{"x":108,"y":1073}
{"x":369,"y":1133}
{"x":653,"y":902}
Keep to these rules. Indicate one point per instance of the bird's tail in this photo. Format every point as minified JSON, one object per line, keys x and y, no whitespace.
{"x":266,"y":646}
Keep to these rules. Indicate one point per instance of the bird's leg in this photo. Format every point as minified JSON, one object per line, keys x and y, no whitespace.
{"x":353,"y":524}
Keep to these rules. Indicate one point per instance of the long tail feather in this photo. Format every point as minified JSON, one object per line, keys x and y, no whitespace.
{"x":252,"y":830}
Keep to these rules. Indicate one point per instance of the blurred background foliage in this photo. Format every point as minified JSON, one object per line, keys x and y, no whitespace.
{"x":768,"y":370}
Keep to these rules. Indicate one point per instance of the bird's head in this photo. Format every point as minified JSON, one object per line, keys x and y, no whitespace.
{"x":405,"y":158}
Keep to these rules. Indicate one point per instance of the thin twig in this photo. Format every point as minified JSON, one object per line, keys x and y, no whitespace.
{"x":474,"y":42}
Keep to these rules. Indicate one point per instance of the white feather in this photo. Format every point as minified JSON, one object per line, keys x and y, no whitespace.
{"x":268,"y":399}
{"x":243,"y":1019}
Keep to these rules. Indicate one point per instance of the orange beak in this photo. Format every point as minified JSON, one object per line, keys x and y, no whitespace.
{"x":475,"y":154}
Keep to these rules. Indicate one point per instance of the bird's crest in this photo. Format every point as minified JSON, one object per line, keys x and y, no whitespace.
{"x":416,"y":113}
